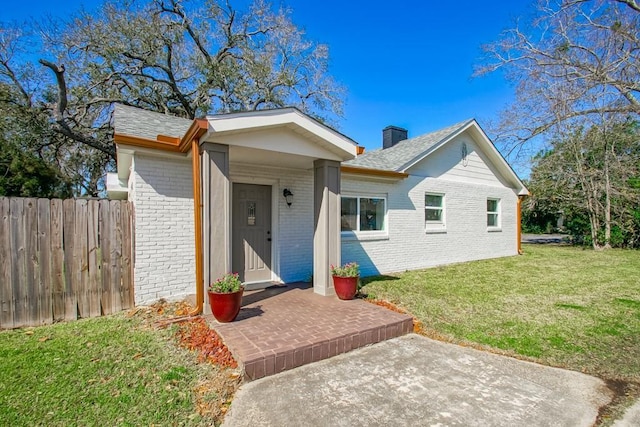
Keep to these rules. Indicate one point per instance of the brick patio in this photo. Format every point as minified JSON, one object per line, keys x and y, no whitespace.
{"x":285,"y":327}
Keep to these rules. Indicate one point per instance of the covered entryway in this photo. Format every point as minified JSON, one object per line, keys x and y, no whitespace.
{"x":247,"y":161}
{"x":251,"y":232}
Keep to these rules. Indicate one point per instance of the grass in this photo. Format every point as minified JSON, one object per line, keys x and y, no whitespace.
{"x":112,"y":370}
{"x":558,"y":305}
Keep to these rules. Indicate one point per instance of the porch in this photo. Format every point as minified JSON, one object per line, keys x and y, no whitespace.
{"x":283,"y":327}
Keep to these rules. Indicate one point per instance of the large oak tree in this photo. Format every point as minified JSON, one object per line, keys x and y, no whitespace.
{"x":179,"y":57}
{"x":576,"y":67}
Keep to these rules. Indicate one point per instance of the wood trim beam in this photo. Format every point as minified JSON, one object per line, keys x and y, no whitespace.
{"x":164,"y":142}
{"x":136,"y":141}
{"x":198,"y":128}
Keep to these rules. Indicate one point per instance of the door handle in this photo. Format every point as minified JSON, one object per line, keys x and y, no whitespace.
{"x":269,"y":239}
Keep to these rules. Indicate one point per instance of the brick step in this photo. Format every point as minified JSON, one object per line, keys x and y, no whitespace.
{"x":286,"y":327}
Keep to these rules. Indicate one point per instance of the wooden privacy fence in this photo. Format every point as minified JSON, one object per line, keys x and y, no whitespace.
{"x":63,"y":259}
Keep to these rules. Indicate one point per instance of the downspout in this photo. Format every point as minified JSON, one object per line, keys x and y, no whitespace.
{"x":197,"y":222}
{"x":519,"y":223}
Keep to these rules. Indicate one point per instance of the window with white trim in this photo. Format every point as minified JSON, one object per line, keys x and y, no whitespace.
{"x":493,"y":213}
{"x":363,"y":214}
{"x":434,"y":211}
{"x":434,"y":208}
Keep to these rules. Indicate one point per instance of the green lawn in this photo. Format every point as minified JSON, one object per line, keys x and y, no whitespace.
{"x":559,"y":305}
{"x":106,"y":371}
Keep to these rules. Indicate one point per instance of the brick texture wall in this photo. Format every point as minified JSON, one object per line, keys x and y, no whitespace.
{"x":161,"y":189}
{"x":162,"y":193}
{"x":408,"y":245}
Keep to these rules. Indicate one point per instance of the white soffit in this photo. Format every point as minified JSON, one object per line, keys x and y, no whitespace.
{"x":320,"y":134}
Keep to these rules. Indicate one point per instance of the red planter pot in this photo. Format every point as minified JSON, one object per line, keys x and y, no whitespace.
{"x":225,"y":307}
{"x":346,"y":287}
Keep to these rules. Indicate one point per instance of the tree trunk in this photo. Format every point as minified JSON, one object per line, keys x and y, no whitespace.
{"x":590,"y":192}
{"x":607,"y":203}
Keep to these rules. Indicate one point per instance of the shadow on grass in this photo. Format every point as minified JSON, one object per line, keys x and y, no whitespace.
{"x":380,"y":278}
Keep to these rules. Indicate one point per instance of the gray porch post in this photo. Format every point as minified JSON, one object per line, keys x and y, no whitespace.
{"x":215,"y":205}
{"x":326,"y":237}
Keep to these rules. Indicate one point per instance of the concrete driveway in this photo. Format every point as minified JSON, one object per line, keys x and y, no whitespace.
{"x":415,"y":381}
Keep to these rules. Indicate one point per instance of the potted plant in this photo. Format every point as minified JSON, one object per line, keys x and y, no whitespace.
{"x":345,"y":280}
{"x":225,"y":297}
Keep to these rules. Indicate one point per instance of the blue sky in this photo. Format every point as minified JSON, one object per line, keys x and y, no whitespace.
{"x":404,"y":63}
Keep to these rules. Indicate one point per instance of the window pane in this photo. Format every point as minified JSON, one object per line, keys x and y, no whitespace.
{"x":433,"y":214}
{"x":433,"y":200}
{"x":492,"y":205}
{"x":251,"y":213}
{"x":349,"y":214}
{"x":492,"y":220}
{"x":372,"y":214}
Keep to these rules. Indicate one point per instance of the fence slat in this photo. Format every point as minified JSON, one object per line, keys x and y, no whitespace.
{"x":94,"y":264}
{"x":116,"y":252}
{"x":18,"y":262}
{"x":105,"y":249}
{"x":6,"y":291}
{"x":31,"y":260}
{"x":127,"y":250}
{"x":57,"y":260}
{"x":81,"y":258}
{"x":70,"y":297}
{"x":44,"y":261}
{"x":64,"y":259}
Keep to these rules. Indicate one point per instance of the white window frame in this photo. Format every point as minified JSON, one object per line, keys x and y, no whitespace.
{"x":432,"y":226}
{"x":497,"y":213}
{"x":366,"y":234}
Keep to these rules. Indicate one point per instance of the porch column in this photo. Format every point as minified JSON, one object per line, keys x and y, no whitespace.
{"x":215,"y":206}
{"x":326,"y":237}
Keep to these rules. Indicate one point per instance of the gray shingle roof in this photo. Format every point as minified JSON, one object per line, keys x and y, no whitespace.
{"x":404,"y":153}
{"x":147,"y":124}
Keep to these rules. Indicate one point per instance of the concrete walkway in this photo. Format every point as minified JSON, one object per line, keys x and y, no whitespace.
{"x":412,"y":380}
{"x":631,"y":417}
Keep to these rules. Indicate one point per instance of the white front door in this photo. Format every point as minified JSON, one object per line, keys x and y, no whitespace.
{"x":251,"y":232}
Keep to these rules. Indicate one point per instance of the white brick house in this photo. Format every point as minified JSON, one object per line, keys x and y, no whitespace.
{"x":435,"y":199}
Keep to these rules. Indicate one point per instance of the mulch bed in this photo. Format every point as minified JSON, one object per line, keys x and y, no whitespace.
{"x":193,"y":332}
{"x":196,"y":335}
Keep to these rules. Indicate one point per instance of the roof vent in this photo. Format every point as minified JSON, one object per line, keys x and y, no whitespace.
{"x":391,"y":135}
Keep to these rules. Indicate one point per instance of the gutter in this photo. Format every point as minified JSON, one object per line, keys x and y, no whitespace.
{"x":197,"y":224}
{"x":191,"y":140}
{"x":373,"y":172}
{"x":519,"y":223}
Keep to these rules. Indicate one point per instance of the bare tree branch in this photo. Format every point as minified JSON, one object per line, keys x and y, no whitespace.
{"x":62,"y":87}
{"x":631,"y":3}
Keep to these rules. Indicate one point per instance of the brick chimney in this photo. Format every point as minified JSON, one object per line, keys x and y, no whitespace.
{"x":391,"y":135}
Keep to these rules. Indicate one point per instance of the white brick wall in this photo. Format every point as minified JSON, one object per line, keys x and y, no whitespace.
{"x":161,"y":189}
{"x":162,"y":193}
{"x":408,"y":246}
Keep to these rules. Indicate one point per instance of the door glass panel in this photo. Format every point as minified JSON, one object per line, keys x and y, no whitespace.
{"x":251,"y":213}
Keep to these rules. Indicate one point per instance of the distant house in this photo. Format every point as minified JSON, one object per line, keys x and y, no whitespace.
{"x":279,"y":197}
